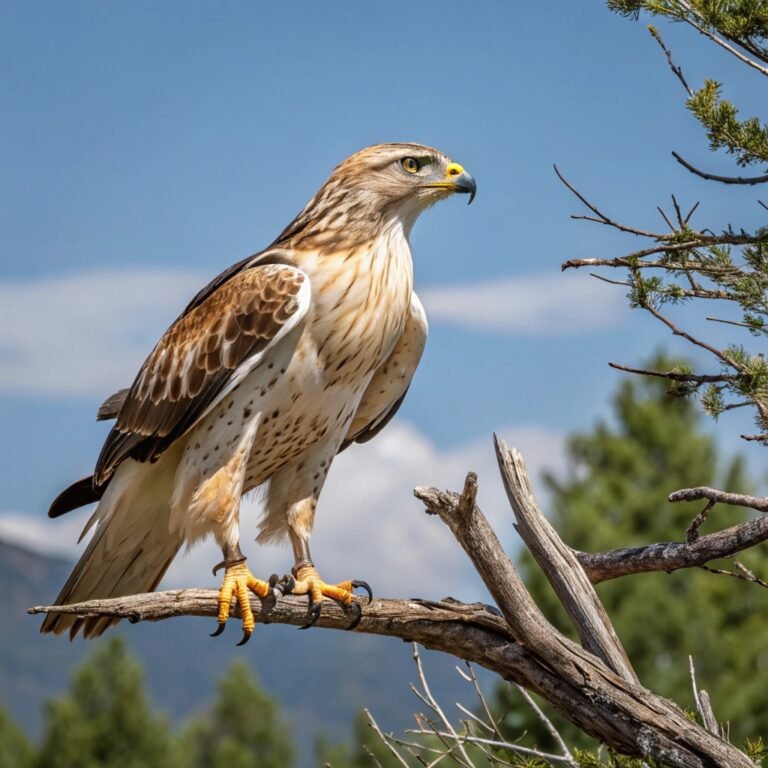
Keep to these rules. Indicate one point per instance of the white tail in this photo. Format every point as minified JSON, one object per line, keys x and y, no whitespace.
{"x":131,"y":547}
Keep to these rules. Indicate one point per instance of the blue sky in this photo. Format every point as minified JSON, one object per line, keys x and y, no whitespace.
{"x":146,"y":146}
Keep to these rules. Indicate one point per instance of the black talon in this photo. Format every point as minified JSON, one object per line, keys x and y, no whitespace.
{"x":219,"y":566}
{"x":246,"y":638}
{"x":358,"y":611}
{"x":314,"y":614}
{"x":286,"y":584}
{"x":219,"y":629}
{"x":357,"y":584}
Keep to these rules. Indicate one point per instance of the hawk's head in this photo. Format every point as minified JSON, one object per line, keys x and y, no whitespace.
{"x":375,"y":187}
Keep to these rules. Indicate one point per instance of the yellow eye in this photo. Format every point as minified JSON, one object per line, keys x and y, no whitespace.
{"x":410,"y":164}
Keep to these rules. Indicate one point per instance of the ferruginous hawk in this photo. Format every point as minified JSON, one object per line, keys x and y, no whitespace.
{"x":276,"y":366}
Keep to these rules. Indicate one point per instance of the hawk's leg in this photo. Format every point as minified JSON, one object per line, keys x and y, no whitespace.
{"x":238,"y":583}
{"x":306,"y":581}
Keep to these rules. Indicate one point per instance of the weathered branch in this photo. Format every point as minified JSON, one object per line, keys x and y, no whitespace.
{"x":561,"y":567}
{"x":520,"y":646}
{"x":673,"y":555}
{"x":722,"y":497}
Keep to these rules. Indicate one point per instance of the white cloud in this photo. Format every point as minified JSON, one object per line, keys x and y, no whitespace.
{"x":368,"y":523}
{"x":535,"y":305}
{"x":86,"y":333}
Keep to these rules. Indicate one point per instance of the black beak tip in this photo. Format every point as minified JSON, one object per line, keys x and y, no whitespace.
{"x":467,"y":185}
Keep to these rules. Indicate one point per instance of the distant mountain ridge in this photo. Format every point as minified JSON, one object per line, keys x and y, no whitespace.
{"x":322,"y":678}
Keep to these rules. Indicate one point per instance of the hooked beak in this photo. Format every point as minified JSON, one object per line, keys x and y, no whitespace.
{"x":458,"y":180}
{"x":466,"y":184}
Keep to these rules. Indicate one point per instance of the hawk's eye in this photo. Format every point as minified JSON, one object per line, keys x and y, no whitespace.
{"x":410,"y":164}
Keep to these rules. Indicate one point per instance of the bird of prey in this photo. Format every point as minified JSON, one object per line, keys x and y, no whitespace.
{"x":274,"y":367}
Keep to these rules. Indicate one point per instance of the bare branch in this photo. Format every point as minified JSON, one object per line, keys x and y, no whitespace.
{"x":548,"y":725}
{"x":384,"y":739}
{"x":692,"y":533}
{"x":749,"y":576}
{"x":761,"y":438}
{"x":561,"y":566}
{"x":692,"y":339}
{"x":673,"y":555}
{"x":721,"y":497}
{"x":677,"y":70}
{"x":692,"y":378}
{"x":631,"y":719}
{"x":601,"y":217}
{"x":751,"y":180}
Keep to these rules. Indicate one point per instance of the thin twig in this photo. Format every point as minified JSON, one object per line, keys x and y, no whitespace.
{"x":692,"y":533}
{"x":677,"y":70}
{"x":501,"y":745}
{"x":740,"y":576}
{"x":429,"y":698}
{"x":603,"y":218}
{"x":737,"y":323}
{"x":548,"y":725}
{"x":383,"y":738}
{"x":692,"y":378}
{"x":692,"y":339}
{"x":747,"y":180}
{"x":483,"y":703}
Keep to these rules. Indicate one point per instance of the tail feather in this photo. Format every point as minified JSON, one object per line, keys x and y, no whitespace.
{"x":75,"y":496}
{"x":130,"y":550}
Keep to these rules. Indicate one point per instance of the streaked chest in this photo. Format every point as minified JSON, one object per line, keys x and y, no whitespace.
{"x":360,"y":302}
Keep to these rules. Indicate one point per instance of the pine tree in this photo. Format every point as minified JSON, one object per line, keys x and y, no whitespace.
{"x":243,"y":729}
{"x":15,"y":749}
{"x":616,"y":494}
{"x":105,"y":721}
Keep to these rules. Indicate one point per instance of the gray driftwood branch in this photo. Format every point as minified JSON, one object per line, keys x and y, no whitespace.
{"x":593,"y":684}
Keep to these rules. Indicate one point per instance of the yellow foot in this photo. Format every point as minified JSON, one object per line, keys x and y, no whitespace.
{"x":307,"y":581}
{"x":238,"y":581}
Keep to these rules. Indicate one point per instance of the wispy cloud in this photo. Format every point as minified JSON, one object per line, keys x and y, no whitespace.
{"x":368,"y":524}
{"x":88,"y":333}
{"x":534,"y":305}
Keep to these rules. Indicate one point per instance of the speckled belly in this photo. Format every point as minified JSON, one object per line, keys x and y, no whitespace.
{"x":310,"y":402}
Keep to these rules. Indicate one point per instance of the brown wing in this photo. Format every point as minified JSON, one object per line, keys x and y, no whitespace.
{"x":204,"y":354}
{"x":389,"y":385}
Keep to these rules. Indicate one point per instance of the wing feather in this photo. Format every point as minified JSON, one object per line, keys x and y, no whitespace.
{"x":201,"y":357}
{"x":387,"y":389}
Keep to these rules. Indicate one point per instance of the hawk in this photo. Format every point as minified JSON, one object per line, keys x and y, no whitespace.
{"x":273,"y":368}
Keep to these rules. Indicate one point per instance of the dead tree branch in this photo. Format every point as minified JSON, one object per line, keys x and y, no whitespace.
{"x":520,"y":645}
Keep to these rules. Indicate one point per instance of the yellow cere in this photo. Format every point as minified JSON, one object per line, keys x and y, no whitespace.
{"x":453,"y":169}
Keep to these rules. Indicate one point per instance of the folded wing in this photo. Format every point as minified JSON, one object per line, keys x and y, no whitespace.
{"x":389,"y":385}
{"x":210,"y":349}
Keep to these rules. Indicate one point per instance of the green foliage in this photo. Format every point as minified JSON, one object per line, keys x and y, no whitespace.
{"x":15,"y":749}
{"x":747,"y":140}
{"x":243,"y":729}
{"x":106,"y":719}
{"x":615,"y":495}
{"x":728,"y":265}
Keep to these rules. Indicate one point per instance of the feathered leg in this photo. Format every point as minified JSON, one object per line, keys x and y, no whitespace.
{"x":291,"y":504}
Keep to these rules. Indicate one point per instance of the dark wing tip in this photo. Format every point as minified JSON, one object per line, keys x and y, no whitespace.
{"x":110,"y":408}
{"x":75,"y":496}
